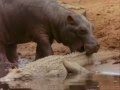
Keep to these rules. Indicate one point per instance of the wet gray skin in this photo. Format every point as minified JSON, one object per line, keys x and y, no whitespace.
{"x":79,"y":35}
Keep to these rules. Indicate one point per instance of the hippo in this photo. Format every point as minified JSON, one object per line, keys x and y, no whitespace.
{"x":42,"y":21}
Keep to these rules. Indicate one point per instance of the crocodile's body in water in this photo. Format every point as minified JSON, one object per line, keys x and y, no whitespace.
{"x":58,"y":66}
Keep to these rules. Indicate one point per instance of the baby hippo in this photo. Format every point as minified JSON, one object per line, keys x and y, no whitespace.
{"x":41,"y":21}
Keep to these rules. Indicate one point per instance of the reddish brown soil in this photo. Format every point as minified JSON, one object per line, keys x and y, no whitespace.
{"x":105,"y":16}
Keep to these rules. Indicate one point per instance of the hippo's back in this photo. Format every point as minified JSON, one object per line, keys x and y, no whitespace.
{"x":18,"y":15}
{"x":21,"y":16}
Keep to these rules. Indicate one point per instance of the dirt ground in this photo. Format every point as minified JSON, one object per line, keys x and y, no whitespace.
{"x":105,"y":16}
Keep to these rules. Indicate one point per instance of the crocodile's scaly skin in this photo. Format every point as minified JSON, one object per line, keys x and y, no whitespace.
{"x":54,"y":66}
{"x":58,"y":66}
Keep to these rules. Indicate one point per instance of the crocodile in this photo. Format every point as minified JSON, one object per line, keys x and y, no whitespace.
{"x":59,"y":66}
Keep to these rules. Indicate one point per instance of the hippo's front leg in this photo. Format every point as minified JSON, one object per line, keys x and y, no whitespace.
{"x":43,"y":49}
{"x":43,"y":41}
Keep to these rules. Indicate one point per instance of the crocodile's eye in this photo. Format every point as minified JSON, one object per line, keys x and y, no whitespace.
{"x":26,"y":77}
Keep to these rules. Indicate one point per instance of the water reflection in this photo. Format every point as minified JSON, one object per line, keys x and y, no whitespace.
{"x":90,"y":85}
{"x":77,"y":82}
{"x":81,"y":82}
{"x":4,"y":86}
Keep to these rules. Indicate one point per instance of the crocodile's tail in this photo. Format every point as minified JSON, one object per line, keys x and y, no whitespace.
{"x":105,"y":55}
{"x":82,"y":59}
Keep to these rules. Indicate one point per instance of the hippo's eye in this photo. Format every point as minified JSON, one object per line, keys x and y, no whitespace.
{"x":83,"y":31}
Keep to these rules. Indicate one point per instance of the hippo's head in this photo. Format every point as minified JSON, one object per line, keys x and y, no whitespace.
{"x":78,"y":35}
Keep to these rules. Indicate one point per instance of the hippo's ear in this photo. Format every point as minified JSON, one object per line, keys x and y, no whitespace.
{"x":70,"y":20}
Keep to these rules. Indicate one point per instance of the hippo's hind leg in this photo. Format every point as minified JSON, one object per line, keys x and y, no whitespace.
{"x":3,"y":57}
{"x":4,"y":63}
{"x":11,"y":52}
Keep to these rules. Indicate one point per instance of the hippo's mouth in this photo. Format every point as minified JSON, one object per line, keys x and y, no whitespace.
{"x":89,"y":50}
{"x":82,"y":49}
{"x":78,"y":47}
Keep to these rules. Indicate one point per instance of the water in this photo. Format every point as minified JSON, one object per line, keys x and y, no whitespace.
{"x":77,"y":82}
{"x":97,"y":82}
{"x":108,"y":78}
